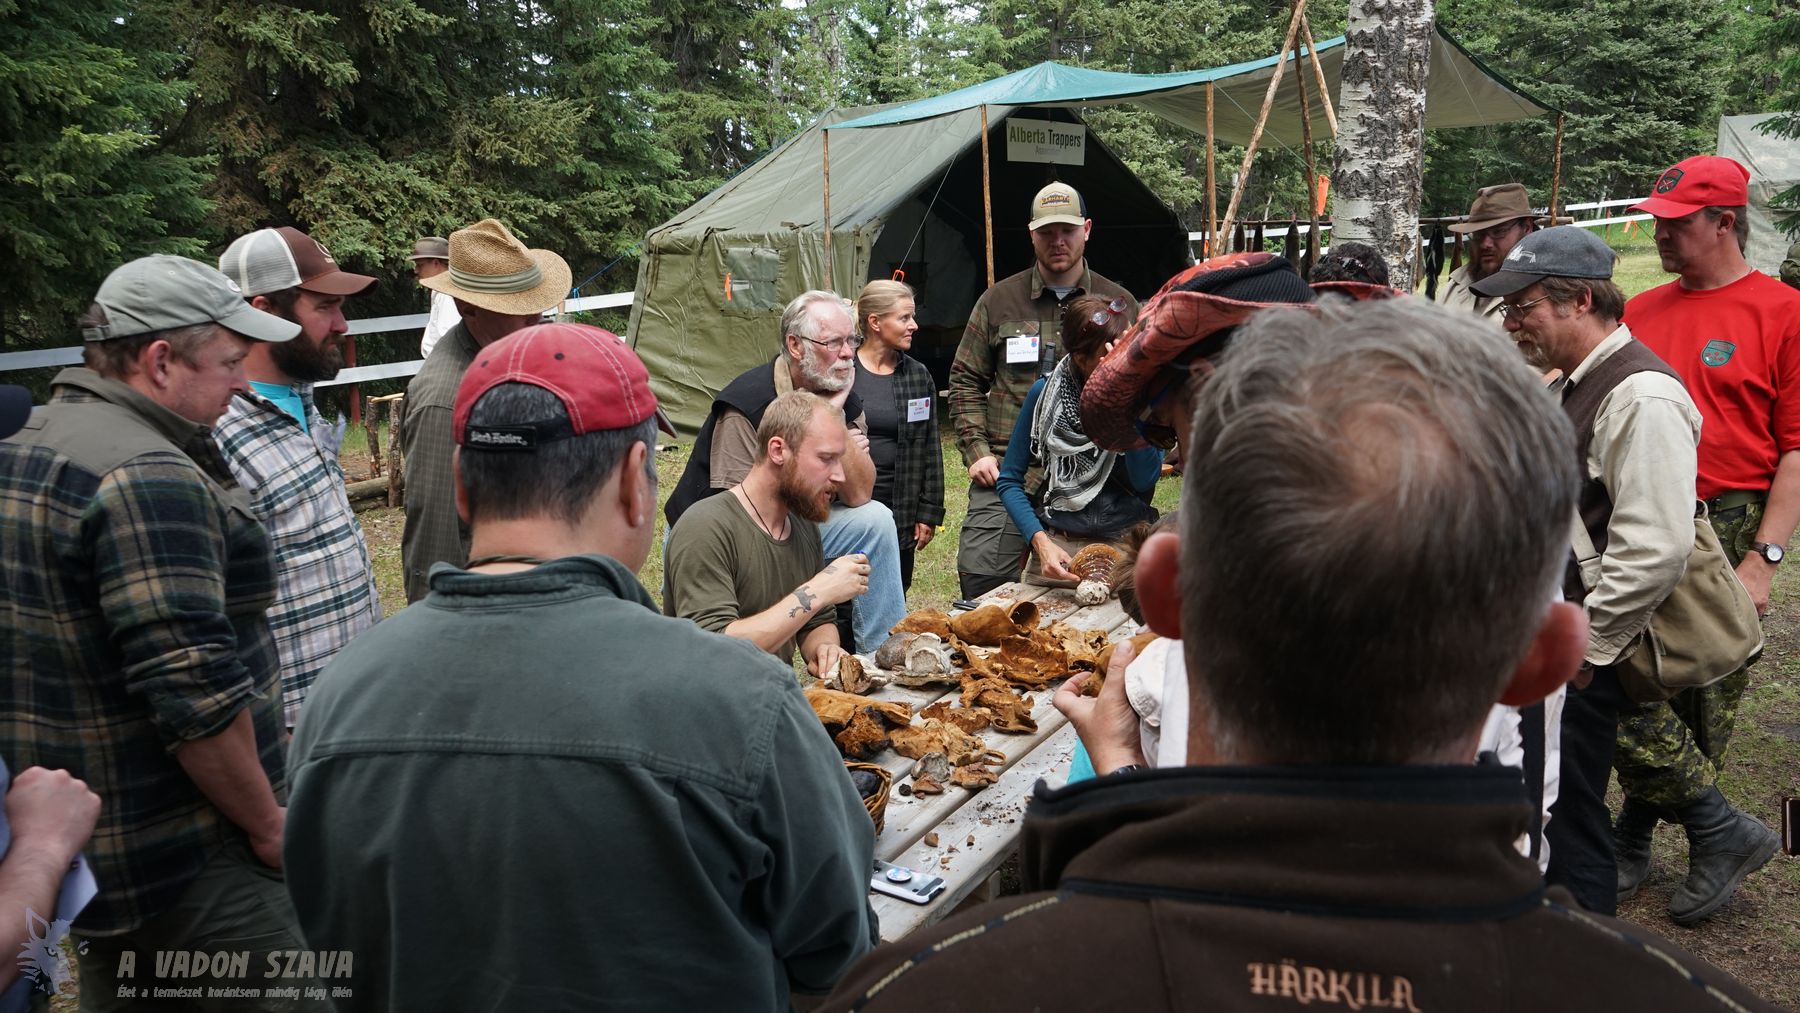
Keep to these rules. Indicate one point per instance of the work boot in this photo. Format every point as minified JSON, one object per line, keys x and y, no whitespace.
{"x":1724,"y":846}
{"x":1631,"y":844}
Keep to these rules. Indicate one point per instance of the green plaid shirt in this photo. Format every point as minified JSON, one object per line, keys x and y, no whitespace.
{"x":919,"y":465}
{"x":132,"y":621}
{"x":986,"y":391}
{"x":433,"y":533}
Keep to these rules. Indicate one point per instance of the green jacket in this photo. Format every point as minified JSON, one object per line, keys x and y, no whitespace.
{"x":529,"y":791}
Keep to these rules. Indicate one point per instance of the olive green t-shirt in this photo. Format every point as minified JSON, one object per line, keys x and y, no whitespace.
{"x":721,"y":566}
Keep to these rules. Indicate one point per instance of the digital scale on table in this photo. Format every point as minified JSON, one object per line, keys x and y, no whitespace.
{"x":904,"y":883}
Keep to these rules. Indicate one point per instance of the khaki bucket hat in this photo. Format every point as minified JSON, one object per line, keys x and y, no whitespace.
{"x":491,"y":269}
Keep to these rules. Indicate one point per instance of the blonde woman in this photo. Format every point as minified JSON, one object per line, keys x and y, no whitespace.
{"x":900,"y":398}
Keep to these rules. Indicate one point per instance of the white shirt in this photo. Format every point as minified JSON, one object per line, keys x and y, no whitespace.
{"x":443,"y":317}
{"x":1643,"y":452}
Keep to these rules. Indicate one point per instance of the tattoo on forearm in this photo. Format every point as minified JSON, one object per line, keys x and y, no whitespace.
{"x":804,"y":596}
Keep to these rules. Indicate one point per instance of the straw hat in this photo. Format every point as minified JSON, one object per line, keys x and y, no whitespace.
{"x":491,"y":269}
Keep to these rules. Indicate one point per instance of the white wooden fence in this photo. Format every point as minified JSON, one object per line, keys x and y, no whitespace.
{"x":46,"y":357}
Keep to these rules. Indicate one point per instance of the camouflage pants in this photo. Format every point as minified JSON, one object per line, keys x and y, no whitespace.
{"x":1671,"y":751}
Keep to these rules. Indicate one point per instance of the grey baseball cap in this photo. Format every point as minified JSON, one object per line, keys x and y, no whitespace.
{"x":1561,"y":252}
{"x":161,"y":292}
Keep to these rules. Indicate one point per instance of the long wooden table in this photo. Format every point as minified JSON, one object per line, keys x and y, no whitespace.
{"x":977,"y":830}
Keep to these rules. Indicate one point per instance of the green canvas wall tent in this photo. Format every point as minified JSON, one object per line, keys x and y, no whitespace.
{"x":904,"y":185}
{"x":1774,"y":164}
{"x":714,"y":279}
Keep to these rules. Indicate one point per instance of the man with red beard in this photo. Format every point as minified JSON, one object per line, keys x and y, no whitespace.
{"x":749,"y":563}
{"x":285,"y":454}
{"x":1499,"y":218}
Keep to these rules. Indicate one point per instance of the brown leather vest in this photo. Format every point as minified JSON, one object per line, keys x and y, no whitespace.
{"x":1581,"y":402}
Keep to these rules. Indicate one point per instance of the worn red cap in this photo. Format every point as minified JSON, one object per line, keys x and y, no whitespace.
{"x":1703,"y":181}
{"x":601,"y":382}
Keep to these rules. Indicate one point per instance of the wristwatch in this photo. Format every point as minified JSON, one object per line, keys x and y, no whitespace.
{"x":1128,"y":768}
{"x":1769,"y":551}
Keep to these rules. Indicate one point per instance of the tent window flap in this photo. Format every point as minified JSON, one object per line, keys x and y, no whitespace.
{"x":752,"y":282}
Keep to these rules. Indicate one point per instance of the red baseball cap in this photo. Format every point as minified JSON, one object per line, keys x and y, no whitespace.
{"x":601,"y":382}
{"x":1703,"y":181}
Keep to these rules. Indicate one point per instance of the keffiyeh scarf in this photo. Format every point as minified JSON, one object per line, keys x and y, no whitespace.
{"x":1074,"y":469}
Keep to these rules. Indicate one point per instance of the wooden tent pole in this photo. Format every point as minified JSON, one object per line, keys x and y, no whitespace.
{"x":1312,"y":174}
{"x":1312,"y":51}
{"x":826,"y":134}
{"x":1212,"y":186}
{"x":1556,"y":171}
{"x":987,"y":197}
{"x":1262,"y":118}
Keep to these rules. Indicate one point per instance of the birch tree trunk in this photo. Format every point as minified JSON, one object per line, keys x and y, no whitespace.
{"x":1377,"y":178}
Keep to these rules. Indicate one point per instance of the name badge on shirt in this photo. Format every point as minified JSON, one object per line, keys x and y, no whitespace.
{"x":1023,"y":348}
{"x":918,"y":409}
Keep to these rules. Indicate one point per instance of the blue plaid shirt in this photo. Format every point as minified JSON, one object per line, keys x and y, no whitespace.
{"x":327,"y":582}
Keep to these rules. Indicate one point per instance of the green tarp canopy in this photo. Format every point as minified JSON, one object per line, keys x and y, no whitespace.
{"x":906,"y":195}
{"x":1460,"y":92}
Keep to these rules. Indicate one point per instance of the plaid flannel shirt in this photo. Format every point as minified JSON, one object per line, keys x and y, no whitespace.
{"x":327,"y":589}
{"x":434,"y":533}
{"x":986,"y":390}
{"x":919,"y":466}
{"x":134,"y":580}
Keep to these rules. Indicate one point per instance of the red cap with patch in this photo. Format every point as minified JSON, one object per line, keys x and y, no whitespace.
{"x":1703,"y":181}
{"x":600,"y":381}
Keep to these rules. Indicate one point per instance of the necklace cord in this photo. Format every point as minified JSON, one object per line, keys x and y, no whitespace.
{"x":759,"y":517}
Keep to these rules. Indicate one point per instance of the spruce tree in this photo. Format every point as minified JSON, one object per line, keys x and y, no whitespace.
{"x":89,"y":182}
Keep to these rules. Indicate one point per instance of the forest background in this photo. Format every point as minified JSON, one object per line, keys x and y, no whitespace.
{"x":173,"y":125}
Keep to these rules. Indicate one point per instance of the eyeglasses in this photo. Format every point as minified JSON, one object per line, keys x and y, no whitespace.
{"x":1496,"y":233}
{"x":1100,"y":318}
{"x":1155,"y":433}
{"x":1516,"y":311}
{"x":835,"y":344}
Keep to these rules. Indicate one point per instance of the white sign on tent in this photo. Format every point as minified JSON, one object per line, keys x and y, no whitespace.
{"x":1045,"y":141}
